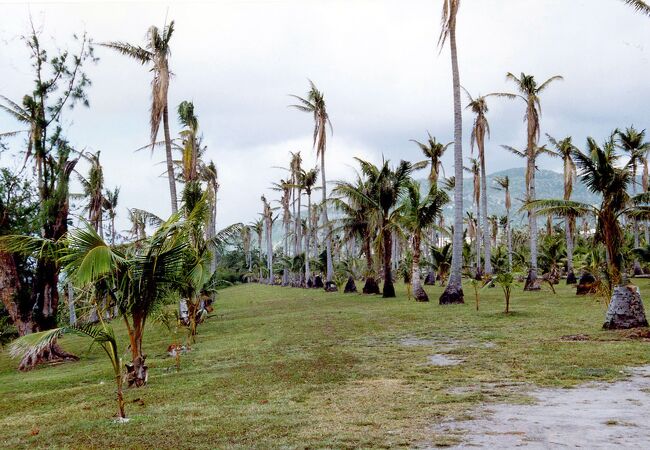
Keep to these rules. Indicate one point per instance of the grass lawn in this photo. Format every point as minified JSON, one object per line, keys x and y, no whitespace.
{"x":284,"y":367}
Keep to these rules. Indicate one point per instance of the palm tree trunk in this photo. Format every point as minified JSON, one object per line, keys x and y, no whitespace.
{"x":486,"y":225}
{"x":170,"y":161}
{"x":532,"y":283}
{"x":326,"y":224}
{"x":454,"y":291}
{"x":509,"y":237}
{"x":307,"y":236}
{"x":269,"y":249}
{"x":389,"y":289}
{"x":477,"y":227}
{"x":568,"y":230}
{"x":285,"y":271}
{"x":416,"y":283}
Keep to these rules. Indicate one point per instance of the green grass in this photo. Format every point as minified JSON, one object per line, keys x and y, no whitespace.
{"x":282,"y":367}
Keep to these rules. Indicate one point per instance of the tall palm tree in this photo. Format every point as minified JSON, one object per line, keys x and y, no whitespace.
{"x":111,"y":199}
{"x":156,"y":54}
{"x":268,"y":231}
{"x":503,"y":184}
{"x":601,"y":172}
{"x":565,"y":149}
{"x":258,"y":228}
{"x":295,"y":167}
{"x":475,"y":170}
{"x":286,"y":187}
{"x":433,"y":151}
{"x":632,"y":142}
{"x":417,"y":214}
{"x":454,"y":291}
{"x":529,"y":92}
{"x":481,"y":129}
{"x":307,"y":180}
{"x":315,"y":104}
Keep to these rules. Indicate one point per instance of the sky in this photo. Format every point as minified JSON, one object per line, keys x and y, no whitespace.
{"x":377,"y":62}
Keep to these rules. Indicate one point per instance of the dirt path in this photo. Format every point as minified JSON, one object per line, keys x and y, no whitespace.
{"x":592,"y":416}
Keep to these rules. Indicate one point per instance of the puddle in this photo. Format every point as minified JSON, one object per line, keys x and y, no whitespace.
{"x":592,"y":416}
{"x":443,"y":360}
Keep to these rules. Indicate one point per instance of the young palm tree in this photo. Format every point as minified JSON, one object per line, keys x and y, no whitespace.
{"x":357,"y":223}
{"x":418,"y":213}
{"x":315,"y":104}
{"x":632,"y":142}
{"x":32,"y":344}
{"x":529,"y":93}
{"x":156,"y":53}
{"x":601,"y":173}
{"x":565,"y":149}
{"x":386,"y":187}
{"x":454,"y":291}
{"x":307,"y":181}
{"x":503,"y":184}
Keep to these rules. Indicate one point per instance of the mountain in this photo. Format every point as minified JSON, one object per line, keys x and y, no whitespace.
{"x":548,"y":184}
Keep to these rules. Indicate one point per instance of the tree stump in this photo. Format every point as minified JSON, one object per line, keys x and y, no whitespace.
{"x":350,"y":286}
{"x":625,"y":309}
{"x":587,"y":284}
{"x":371,"y":286}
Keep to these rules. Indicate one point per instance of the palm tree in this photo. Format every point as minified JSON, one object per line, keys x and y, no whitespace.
{"x":110,"y":205}
{"x":267,"y":214}
{"x":31,"y":344}
{"x":189,"y":137}
{"x":385,"y":189}
{"x":632,"y":142}
{"x":433,"y":151}
{"x":92,"y":190}
{"x":503,"y":184}
{"x":156,"y":53}
{"x":357,"y":223}
{"x":600,"y":172}
{"x":454,"y":291}
{"x":258,"y":227}
{"x":307,"y":181}
{"x":475,"y":170}
{"x":315,"y":104}
{"x":295,"y":167}
{"x":480,"y":130}
{"x":418,"y":213}
{"x":286,"y":187}
{"x":529,"y":93}
{"x":640,"y":5}
{"x":565,"y":149}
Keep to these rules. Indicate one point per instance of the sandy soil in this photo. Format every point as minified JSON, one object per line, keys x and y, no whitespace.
{"x":592,"y":416}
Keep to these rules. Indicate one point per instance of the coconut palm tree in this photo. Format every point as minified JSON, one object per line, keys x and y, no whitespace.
{"x":475,"y":170}
{"x":417,"y":213}
{"x":632,"y":142}
{"x":156,"y":54}
{"x":357,"y":223}
{"x":602,"y":173}
{"x":565,"y":149}
{"x":258,"y":227}
{"x":93,"y":191}
{"x":295,"y":167}
{"x":433,"y":151}
{"x":503,"y":184}
{"x":267,"y":214}
{"x":315,"y":104}
{"x":32,"y":344}
{"x":481,"y":130}
{"x":454,"y":291}
{"x":307,"y":181}
{"x":286,"y":187}
{"x":386,"y":187}
{"x":110,"y":205}
{"x":529,"y":92}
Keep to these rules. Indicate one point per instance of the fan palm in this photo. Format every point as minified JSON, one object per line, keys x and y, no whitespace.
{"x":529,"y":92}
{"x":418,"y":213}
{"x":600,"y":172}
{"x":156,"y":53}
{"x":454,"y":290}
{"x":315,"y":104}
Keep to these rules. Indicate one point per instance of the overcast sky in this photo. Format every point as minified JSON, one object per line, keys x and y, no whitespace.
{"x":376,"y":61}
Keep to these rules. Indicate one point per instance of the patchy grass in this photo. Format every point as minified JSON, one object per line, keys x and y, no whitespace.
{"x":283,"y":367}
